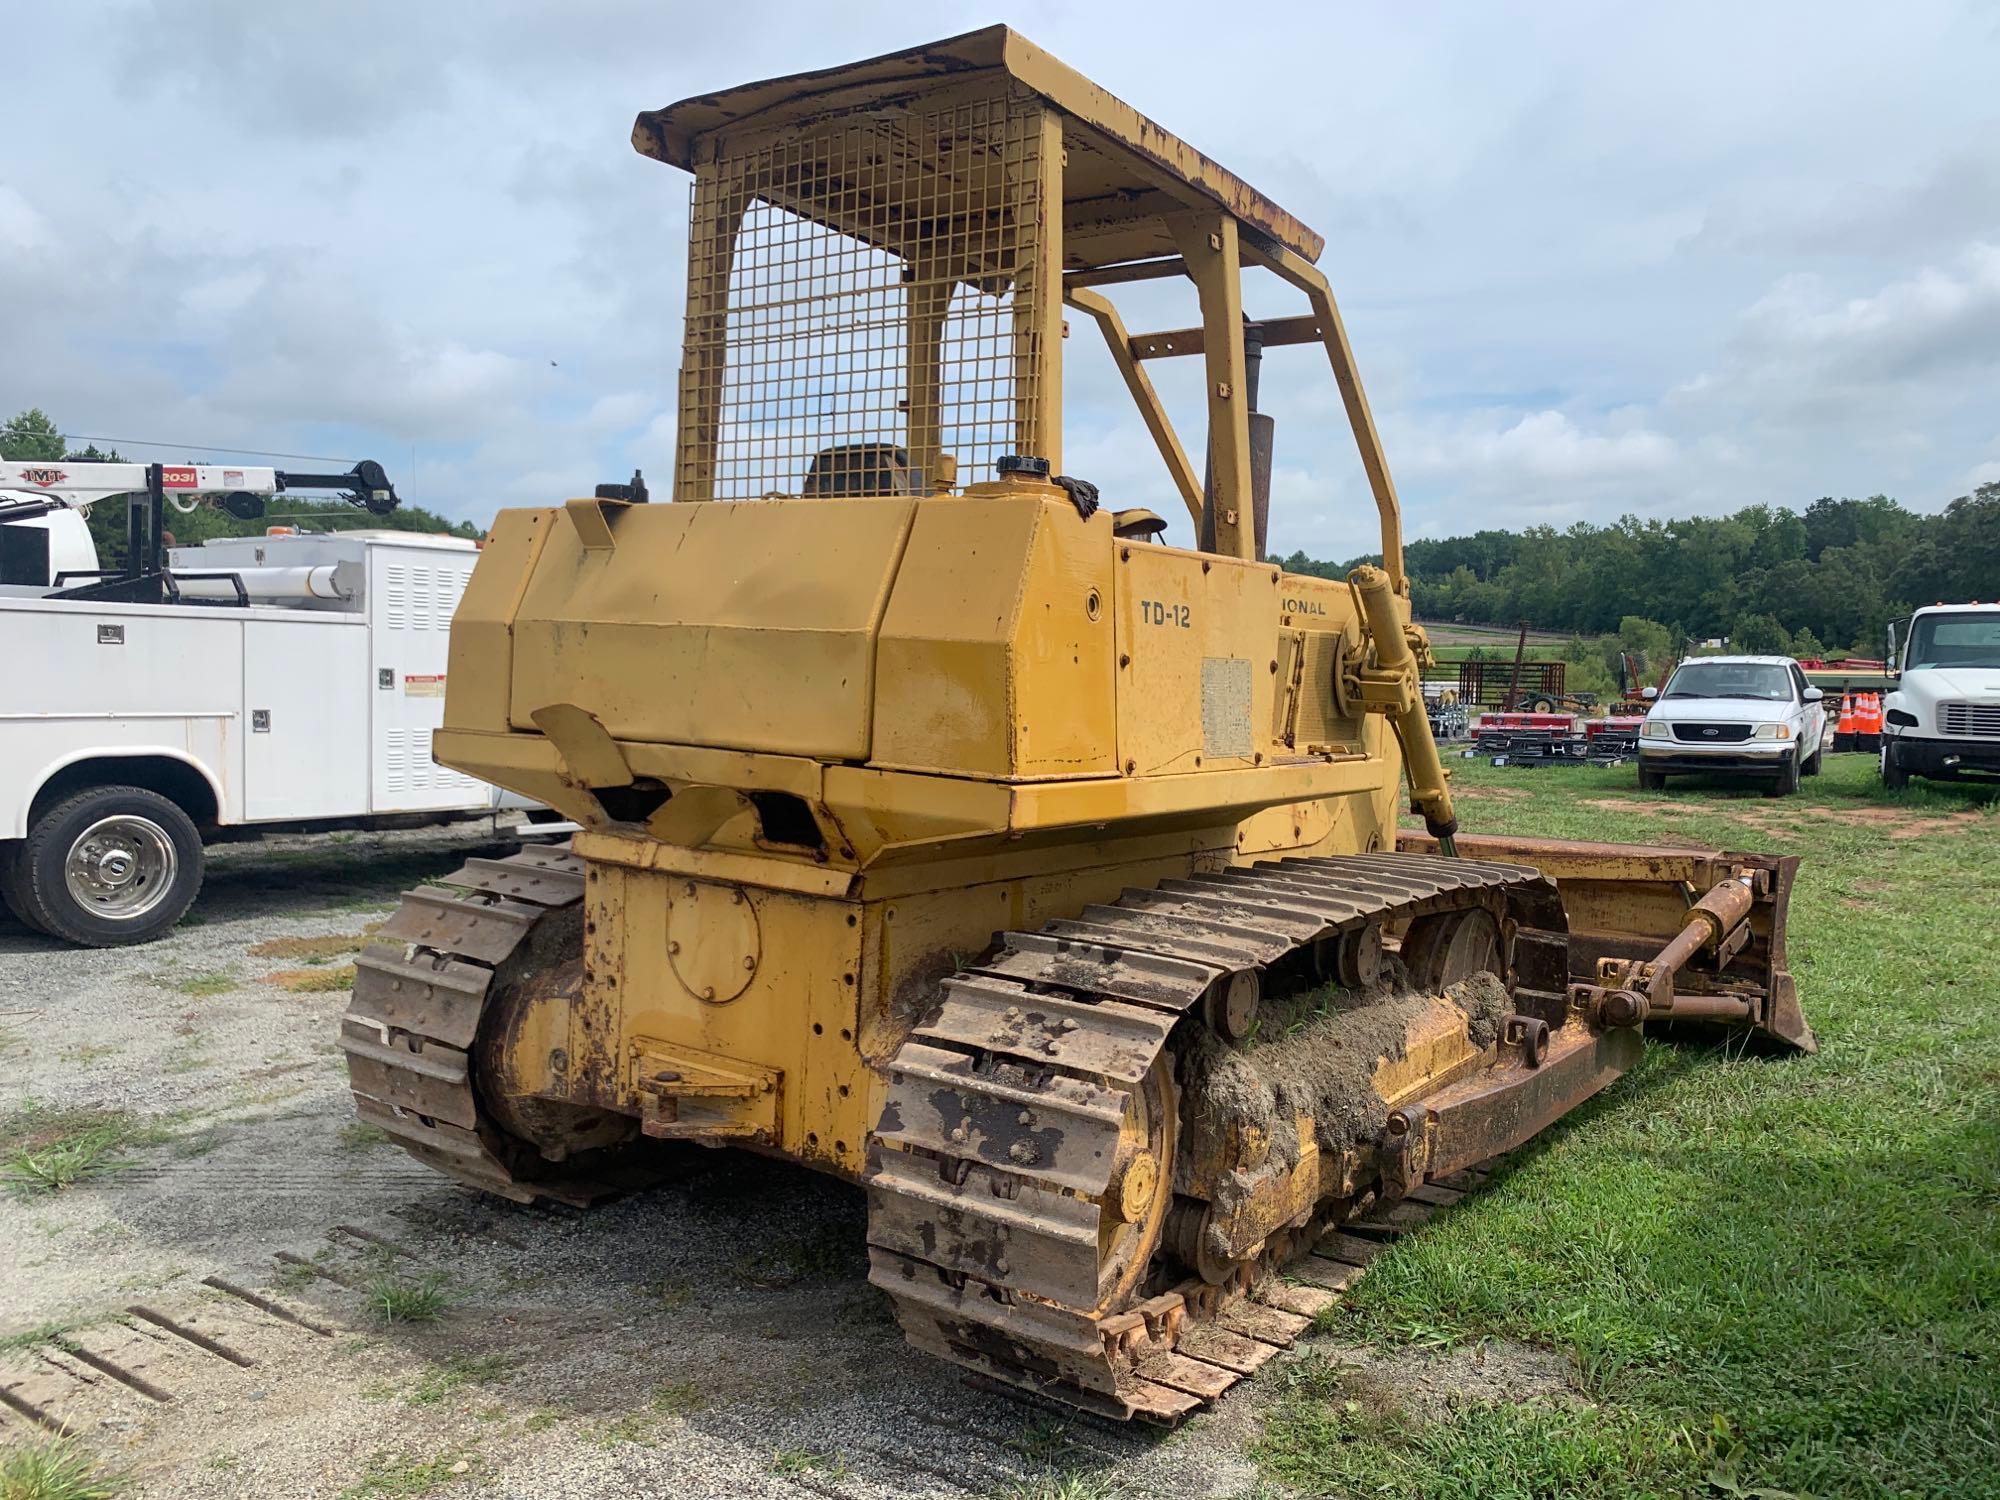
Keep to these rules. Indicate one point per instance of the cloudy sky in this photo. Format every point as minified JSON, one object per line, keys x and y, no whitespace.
{"x":1593,"y":259}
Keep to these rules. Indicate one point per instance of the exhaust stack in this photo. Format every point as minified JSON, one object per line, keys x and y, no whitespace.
{"x":1263,"y":434}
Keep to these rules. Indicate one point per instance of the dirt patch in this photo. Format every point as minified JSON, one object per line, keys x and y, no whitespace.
{"x":1489,"y":794}
{"x":1424,"y":1384}
{"x":1650,"y":809}
{"x":1924,"y":827}
{"x":1783,"y":818}
{"x":313,"y":981}
{"x":1892,"y":822}
{"x":297,"y":949}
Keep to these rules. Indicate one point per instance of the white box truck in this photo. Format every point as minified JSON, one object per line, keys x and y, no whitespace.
{"x":294,"y":680}
{"x":1942,"y":718}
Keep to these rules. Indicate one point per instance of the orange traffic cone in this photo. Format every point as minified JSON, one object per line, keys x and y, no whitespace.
{"x":1868,"y":723}
{"x":1843,"y":728}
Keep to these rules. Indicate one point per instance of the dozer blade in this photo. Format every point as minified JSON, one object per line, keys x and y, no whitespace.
{"x":1667,"y":936}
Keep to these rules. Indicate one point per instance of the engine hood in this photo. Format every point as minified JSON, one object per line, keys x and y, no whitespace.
{"x":1933,"y":684}
{"x":1721,"y":711}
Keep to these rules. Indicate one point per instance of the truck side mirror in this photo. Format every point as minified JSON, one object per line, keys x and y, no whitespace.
{"x":1812,"y":695}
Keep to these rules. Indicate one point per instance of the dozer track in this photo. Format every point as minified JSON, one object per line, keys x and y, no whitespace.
{"x":411,"y":1029}
{"x":994,"y":1172}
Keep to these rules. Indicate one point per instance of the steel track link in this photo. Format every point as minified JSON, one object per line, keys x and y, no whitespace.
{"x":998,"y":1142}
{"x":410,"y":1029}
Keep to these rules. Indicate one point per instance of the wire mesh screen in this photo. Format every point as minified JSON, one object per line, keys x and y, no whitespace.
{"x":860,"y":304}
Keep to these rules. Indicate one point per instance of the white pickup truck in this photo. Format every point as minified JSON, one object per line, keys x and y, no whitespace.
{"x":1943,"y":718}
{"x":1750,"y":716}
{"x":294,"y":681}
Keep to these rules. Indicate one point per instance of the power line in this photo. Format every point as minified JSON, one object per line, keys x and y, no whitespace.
{"x":318,"y":458}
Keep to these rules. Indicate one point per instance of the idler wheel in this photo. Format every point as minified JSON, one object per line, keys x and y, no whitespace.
{"x":1449,"y":946}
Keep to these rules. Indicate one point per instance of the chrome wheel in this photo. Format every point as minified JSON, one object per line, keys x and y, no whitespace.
{"x":121,"y":867}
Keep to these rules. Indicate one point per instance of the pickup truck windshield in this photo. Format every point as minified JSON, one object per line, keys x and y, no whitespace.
{"x":1731,"y":679}
{"x":1968,"y":640}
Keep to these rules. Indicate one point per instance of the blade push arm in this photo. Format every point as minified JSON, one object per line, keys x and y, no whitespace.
{"x":1630,"y":993}
{"x":1392,"y":686}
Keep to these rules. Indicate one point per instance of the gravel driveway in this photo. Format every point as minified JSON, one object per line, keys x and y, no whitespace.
{"x":205,"y":1316}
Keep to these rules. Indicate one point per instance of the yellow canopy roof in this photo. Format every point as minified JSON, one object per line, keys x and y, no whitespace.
{"x":1124,"y":171}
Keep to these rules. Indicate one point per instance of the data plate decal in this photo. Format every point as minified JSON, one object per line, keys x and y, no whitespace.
{"x":1225,"y":706}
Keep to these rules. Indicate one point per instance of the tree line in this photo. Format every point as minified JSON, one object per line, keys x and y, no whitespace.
{"x":31,"y":437}
{"x":1823,"y":581}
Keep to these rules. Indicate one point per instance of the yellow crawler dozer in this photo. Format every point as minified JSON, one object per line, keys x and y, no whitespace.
{"x":944,"y":830}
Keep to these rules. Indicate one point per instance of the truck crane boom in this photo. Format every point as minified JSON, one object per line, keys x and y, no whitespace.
{"x":33,"y":489}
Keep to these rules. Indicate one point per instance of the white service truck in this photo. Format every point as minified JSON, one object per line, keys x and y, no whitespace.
{"x":1942,"y":718}
{"x":275,"y":681}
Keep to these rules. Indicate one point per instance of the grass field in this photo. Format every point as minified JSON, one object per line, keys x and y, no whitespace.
{"x":1769,"y":1275}
{"x":1448,"y":633}
{"x":1496,"y":650}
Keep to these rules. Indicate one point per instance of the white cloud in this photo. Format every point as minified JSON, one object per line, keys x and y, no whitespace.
{"x":1939,"y":320}
{"x":1888,"y":389}
{"x":621,"y":411}
{"x":1908,"y":210}
{"x":21,"y":228}
{"x":220,"y":296}
{"x":1544,"y":447}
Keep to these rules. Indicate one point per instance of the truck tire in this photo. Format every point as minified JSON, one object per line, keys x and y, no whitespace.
{"x":1786,"y":781}
{"x":1812,"y":765}
{"x":107,"y":867}
{"x":10,"y":884}
{"x":1894,"y":777}
{"x":1652,"y":781}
